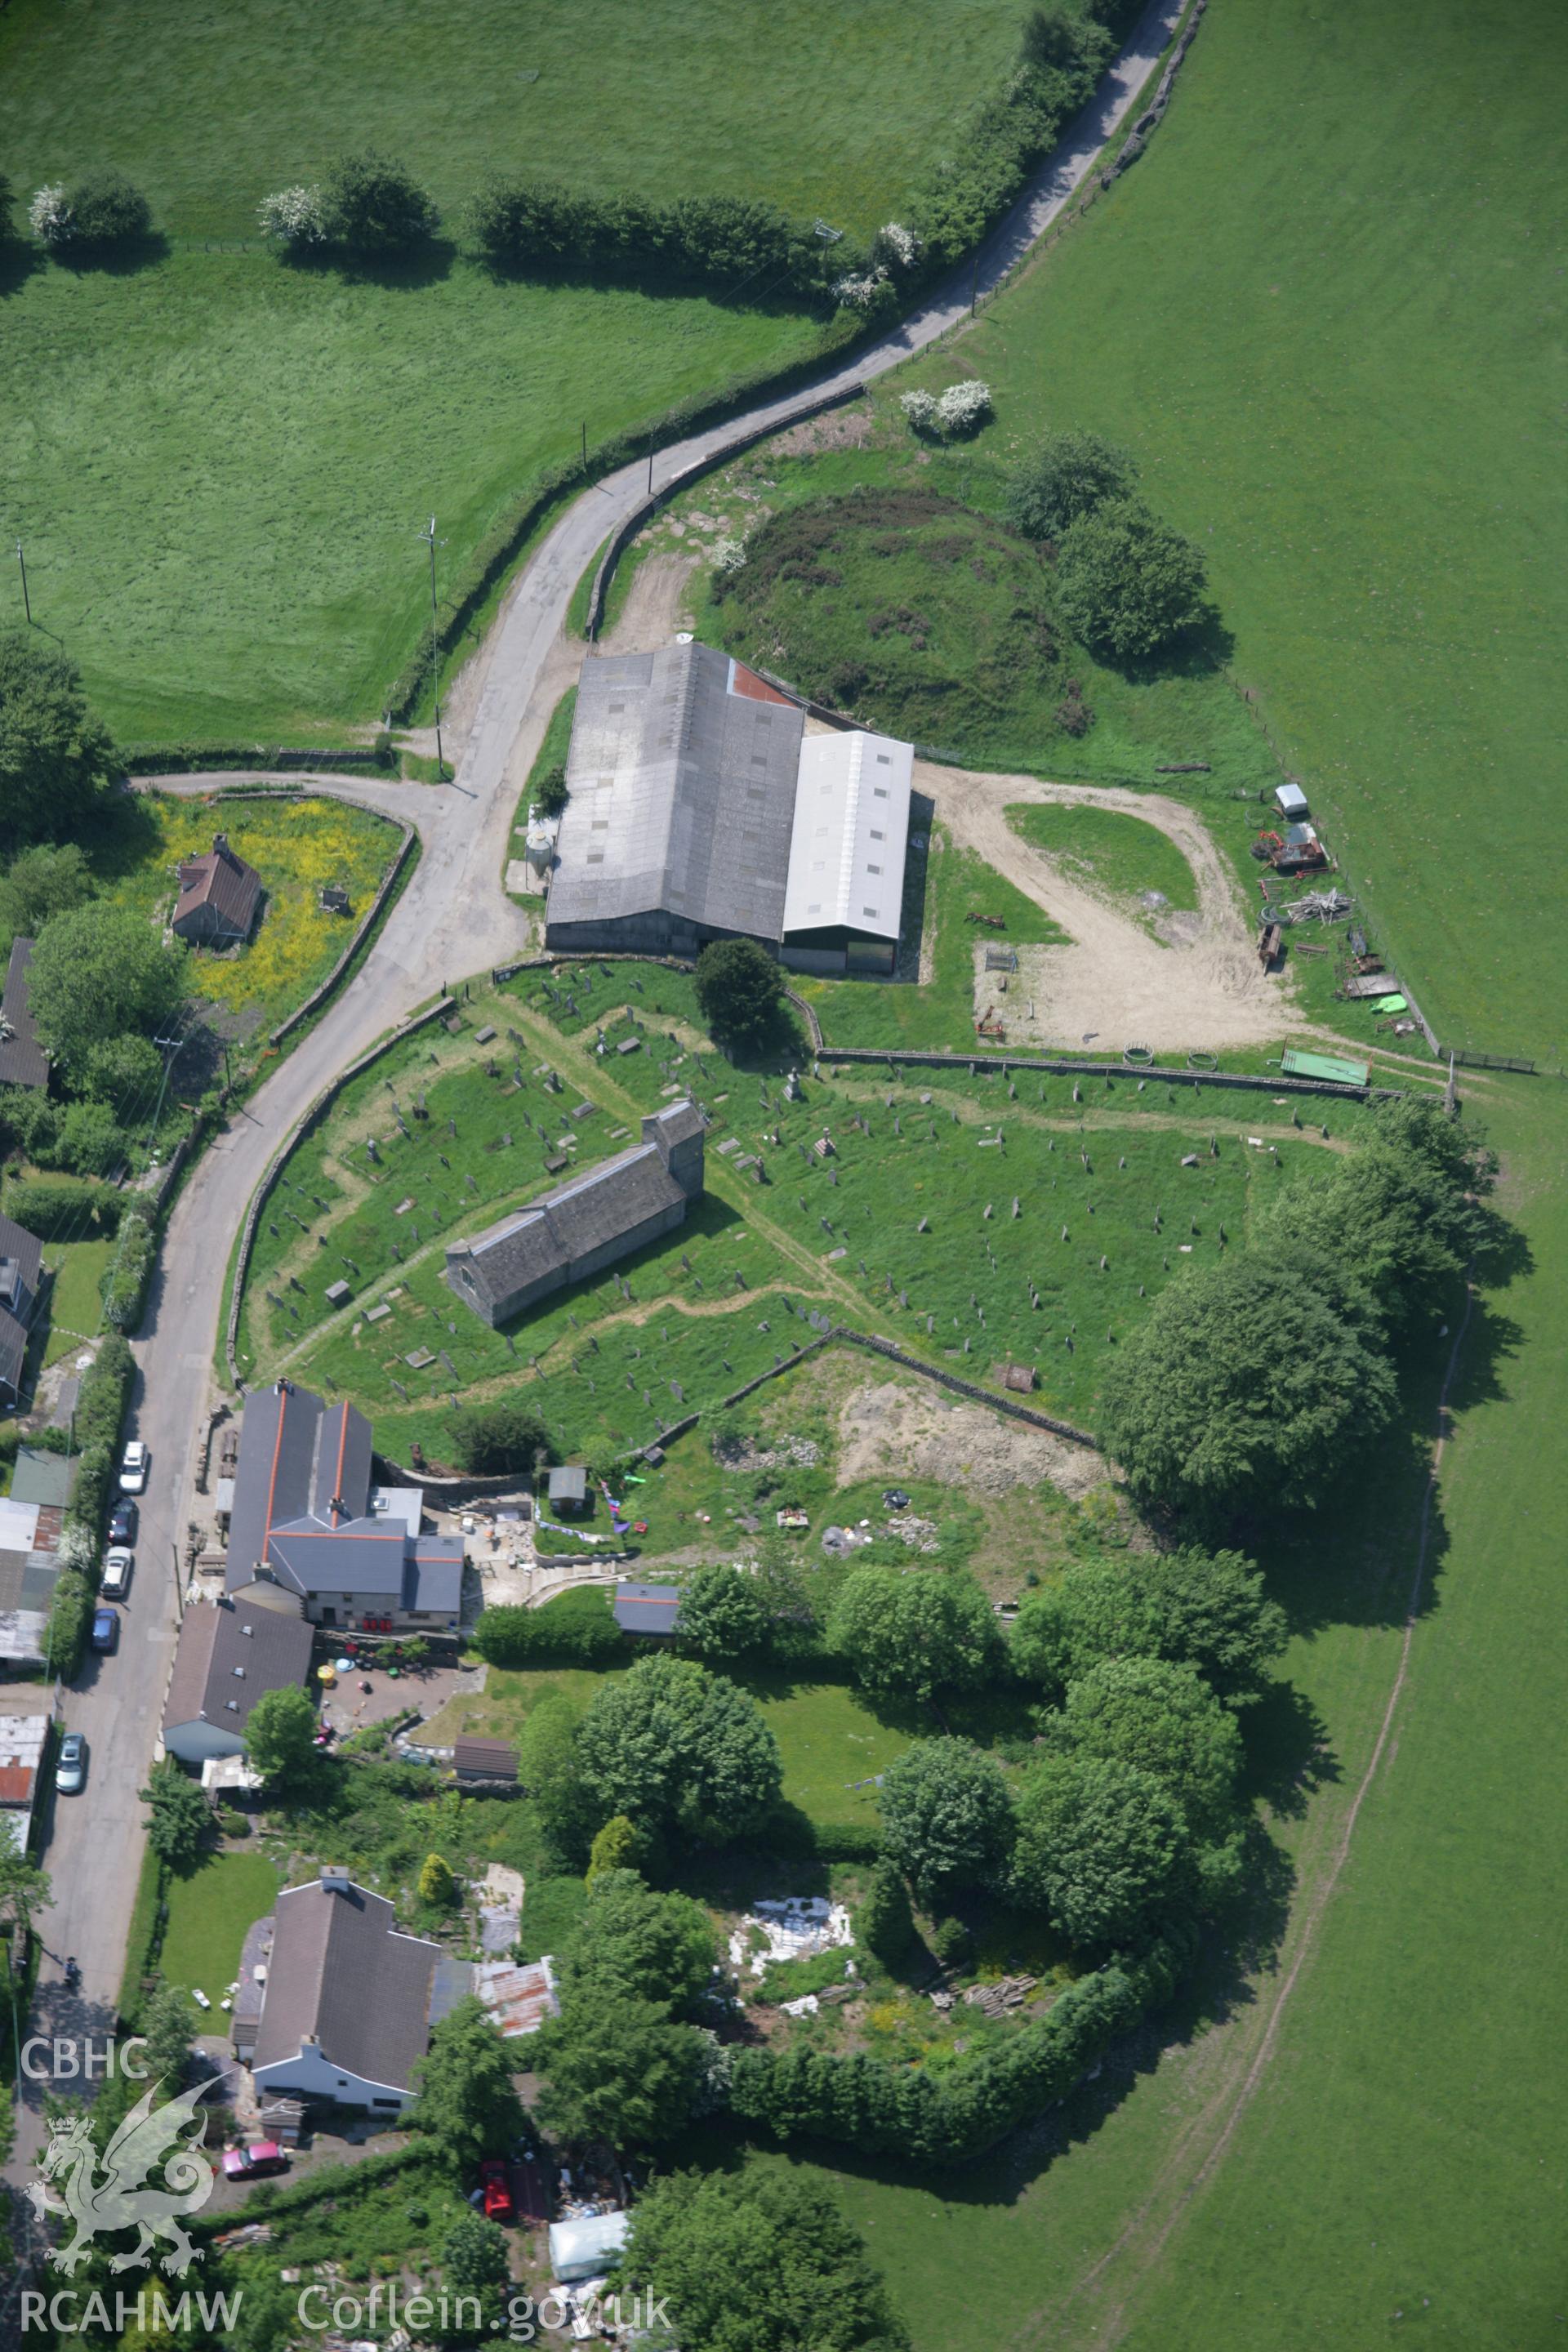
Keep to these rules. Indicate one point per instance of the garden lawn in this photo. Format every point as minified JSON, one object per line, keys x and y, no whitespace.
{"x":209,"y":1913}
{"x":235,"y":556}
{"x":838,"y":118}
{"x":1117,"y":855}
{"x":834,"y":1741}
{"x":76,"y":1298}
{"x":296,"y":847}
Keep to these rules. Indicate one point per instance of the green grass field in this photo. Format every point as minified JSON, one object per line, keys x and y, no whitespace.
{"x":1117,"y":855}
{"x":889,"y":617}
{"x":1340,"y":381}
{"x":236,"y":556}
{"x":1342,"y":388}
{"x":461,"y":88}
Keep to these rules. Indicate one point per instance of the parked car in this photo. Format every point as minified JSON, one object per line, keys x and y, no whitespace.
{"x":122,"y":1522}
{"x":252,"y":2163}
{"x":497,"y":2190}
{"x":70,"y":1772}
{"x":134,"y":1464}
{"x":117,"y":1569}
{"x":105,"y":1633}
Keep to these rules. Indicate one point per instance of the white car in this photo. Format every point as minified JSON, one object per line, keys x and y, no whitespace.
{"x":134,"y":1464}
{"x":117,"y":1566}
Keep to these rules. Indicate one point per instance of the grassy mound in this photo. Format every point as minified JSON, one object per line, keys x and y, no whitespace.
{"x":907,"y":608}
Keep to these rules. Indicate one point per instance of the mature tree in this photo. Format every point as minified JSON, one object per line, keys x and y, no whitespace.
{"x":476,"y":2262}
{"x":1130,"y":584}
{"x":89,"y":1139}
{"x":126,"y":1073}
{"x":107,"y":209}
{"x":547,"y":1760}
{"x":633,"y":1941}
{"x":437,"y":1888}
{"x":1204,"y":1609}
{"x":884,"y":1922}
{"x":24,"y":1889}
{"x":1251,"y":1383}
{"x":47,"y":881}
{"x":914,"y":1633}
{"x":1165,"y":1719}
{"x":181,"y":1825}
{"x":97,"y":973}
{"x":56,"y":762}
{"x":499,"y":1434}
{"x":616,"y":2067}
{"x":1210,"y":1611}
{"x":740,"y":989}
{"x":168,"y":2028}
{"x":1391,"y":1218}
{"x":1103,"y":1846}
{"x":280,"y":1738}
{"x":760,"y":2261}
{"x":674,"y":1745}
{"x":1065,"y":475}
{"x":722,"y":1616}
{"x":375,"y":205}
{"x":947,"y":1819}
{"x":619,"y":1845}
{"x":467,"y":2102}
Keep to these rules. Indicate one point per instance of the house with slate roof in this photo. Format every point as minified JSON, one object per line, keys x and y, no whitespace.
{"x":218,"y":895}
{"x":310,"y":1534}
{"x":585,"y":1224}
{"x":335,"y":2002}
{"x":230,"y":1654}
{"x":21,"y":1271}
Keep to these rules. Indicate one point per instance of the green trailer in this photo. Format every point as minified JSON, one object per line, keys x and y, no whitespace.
{"x":1334,"y":1067}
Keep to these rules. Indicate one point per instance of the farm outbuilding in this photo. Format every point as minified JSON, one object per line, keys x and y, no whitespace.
{"x":701,"y":809}
{"x":648,"y":1609}
{"x":1291,"y":802}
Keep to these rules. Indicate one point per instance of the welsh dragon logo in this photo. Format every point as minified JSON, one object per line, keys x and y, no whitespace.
{"x":120,"y":2196}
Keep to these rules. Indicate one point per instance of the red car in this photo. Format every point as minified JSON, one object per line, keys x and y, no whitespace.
{"x":263,"y":2156}
{"x":497,"y":2190}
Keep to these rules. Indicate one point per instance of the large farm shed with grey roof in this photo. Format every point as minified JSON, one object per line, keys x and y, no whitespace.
{"x":688,"y":776}
{"x":585,"y":1224}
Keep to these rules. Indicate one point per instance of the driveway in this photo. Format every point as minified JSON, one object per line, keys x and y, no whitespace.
{"x":452,"y":919}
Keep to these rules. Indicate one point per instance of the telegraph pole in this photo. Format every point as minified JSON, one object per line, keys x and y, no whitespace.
{"x":430,"y":539}
{"x":27,"y":604}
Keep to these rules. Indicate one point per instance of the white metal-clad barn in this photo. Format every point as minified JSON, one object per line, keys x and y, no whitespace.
{"x":845,"y":890}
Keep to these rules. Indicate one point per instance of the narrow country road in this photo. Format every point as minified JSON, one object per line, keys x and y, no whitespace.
{"x":452,"y":919}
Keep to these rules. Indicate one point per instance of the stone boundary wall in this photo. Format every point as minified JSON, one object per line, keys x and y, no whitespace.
{"x":302,"y":1127}
{"x":371,"y":915}
{"x":1234,"y":1080}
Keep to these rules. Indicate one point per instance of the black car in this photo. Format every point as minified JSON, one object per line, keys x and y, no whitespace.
{"x":122,"y":1523}
{"x":105,"y":1634}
